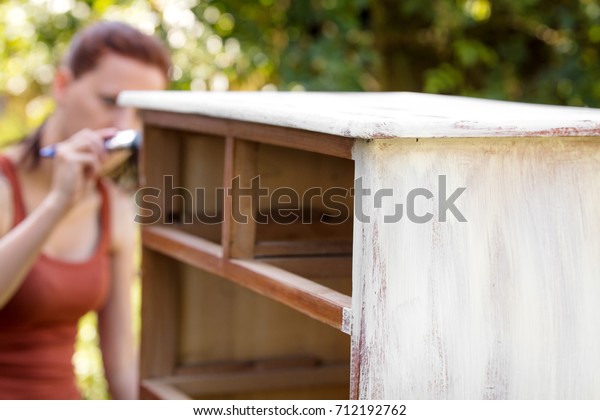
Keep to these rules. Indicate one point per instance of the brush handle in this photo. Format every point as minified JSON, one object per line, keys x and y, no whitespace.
{"x":48,"y":151}
{"x":125,"y":139}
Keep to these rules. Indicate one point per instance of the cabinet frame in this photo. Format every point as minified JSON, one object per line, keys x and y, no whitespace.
{"x":231,"y":257}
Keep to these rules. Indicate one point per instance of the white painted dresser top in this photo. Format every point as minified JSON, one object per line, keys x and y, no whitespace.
{"x":378,"y":115}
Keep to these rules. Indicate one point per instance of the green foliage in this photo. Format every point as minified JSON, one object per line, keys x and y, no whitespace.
{"x":216,"y":45}
{"x":532,"y":51}
{"x":523,"y":50}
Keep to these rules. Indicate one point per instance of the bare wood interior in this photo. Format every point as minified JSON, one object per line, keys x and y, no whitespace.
{"x":239,"y":229}
{"x":226,"y":338}
{"x":333,"y":272}
{"x":321,"y":382}
{"x":222,"y":321}
{"x":167,"y":145}
{"x":311,"y":298}
{"x":159,"y":389}
{"x":285,"y":362}
{"x":262,"y":199}
{"x":321,"y":143}
{"x":184,"y":177}
{"x":307,"y":207}
{"x":245,"y":310}
{"x":160,"y":314}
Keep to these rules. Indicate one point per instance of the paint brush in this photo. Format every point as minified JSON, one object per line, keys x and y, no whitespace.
{"x":124,"y":139}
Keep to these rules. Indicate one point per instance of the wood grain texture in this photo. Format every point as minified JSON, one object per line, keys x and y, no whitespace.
{"x":160,"y":315}
{"x":202,"y":164}
{"x":168,"y":145}
{"x":294,"y":138}
{"x":310,"y":298}
{"x":260,"y":380}
{"x":241,"y":163}
{"x":226,"y":327}
{"x":286,"y":362}
{"x":503,"y":306}
{"x":161,"y":389}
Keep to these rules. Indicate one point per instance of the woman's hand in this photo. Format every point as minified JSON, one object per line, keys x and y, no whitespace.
{"x":77,"y":161}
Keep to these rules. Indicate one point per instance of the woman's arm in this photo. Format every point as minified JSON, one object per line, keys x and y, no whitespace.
{"x":20,"y":246}
{"x":75,"y":166}
{"x":115,"y":323}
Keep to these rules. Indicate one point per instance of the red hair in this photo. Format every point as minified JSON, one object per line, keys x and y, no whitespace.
{"x":88,"y":46}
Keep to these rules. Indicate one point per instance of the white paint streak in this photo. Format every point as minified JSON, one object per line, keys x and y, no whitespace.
{"x":378,"y":115}
{"x":503,"y":306}
{"x":347,"y":320}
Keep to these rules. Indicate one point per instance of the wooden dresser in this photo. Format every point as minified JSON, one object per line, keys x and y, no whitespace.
{"x":368,"y":245}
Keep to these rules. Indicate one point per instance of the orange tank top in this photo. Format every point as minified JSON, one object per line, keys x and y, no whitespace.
{"x":38,"y":326}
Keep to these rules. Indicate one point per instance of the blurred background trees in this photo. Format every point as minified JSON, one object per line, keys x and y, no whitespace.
{"x":520,"y":50}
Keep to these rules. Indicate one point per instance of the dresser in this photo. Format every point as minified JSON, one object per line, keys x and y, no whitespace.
{"x":367,"y":246}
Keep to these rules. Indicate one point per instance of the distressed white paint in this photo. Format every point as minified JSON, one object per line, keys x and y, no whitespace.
{"x":506,"y":305}
{"x":347,"y":320}
{"x":378,"y":115}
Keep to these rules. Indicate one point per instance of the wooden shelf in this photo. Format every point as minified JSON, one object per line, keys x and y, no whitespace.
{"x":306,"y":296}
{"x":227,"y":383}
{"x":240,"y":291}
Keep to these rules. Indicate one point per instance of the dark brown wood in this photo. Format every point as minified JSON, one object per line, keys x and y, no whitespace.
{"x":308,"y":297}
{"x":211,"y":232}
{"x":168,"y":146}
{"x":228,"y":170}
{"x":300,"y":248}
{"x":306,"y":228}
{"x":203,"y":165}
{"x":281,"y":136}
{"x":315,"y":267}
{"x":331,"y":271}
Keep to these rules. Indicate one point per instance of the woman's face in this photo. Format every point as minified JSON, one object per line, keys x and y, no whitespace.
{"x":90,"y":100}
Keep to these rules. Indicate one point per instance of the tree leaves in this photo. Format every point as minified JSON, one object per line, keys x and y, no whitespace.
{"x":521,"y":50}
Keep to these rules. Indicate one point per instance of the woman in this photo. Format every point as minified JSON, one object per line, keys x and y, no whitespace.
{"x":66,"y":233}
